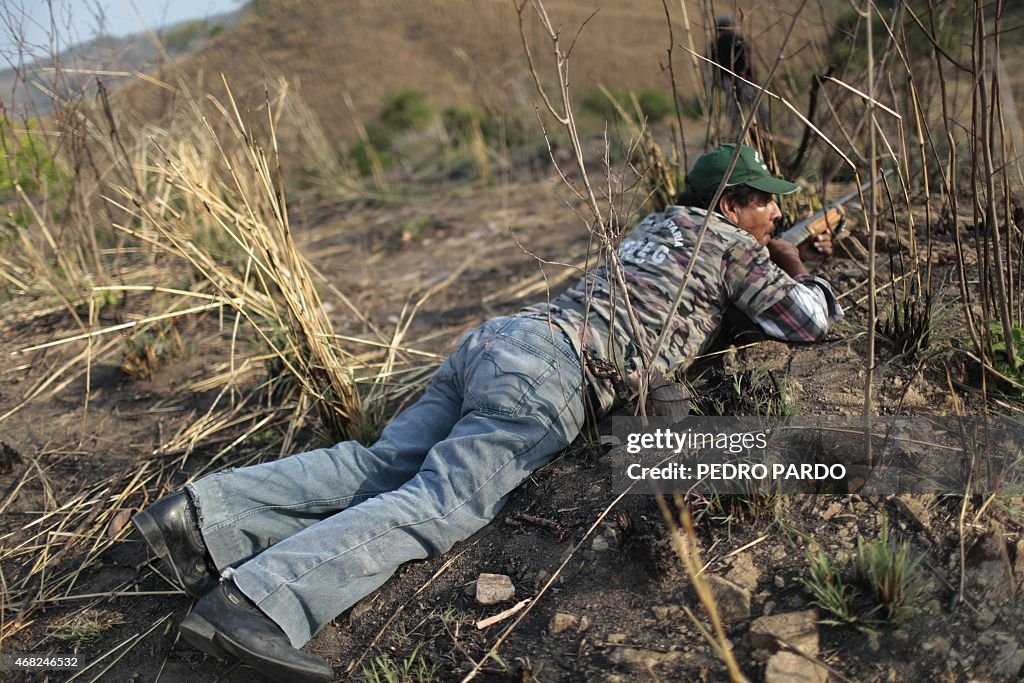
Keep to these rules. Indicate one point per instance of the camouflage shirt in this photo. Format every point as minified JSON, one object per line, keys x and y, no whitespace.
{"x":732,"y":270}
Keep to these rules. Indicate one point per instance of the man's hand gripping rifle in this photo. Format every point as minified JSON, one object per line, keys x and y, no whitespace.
{"x":832,"y":217}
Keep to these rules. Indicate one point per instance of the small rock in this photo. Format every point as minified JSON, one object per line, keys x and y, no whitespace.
{"x":874,"y":641}
{"x":789,"y":667}
{"x":768,"y":608}
{"x":616,"y":638}
{"x":938,"y":645}
{"x":561,"y":621}
{"x":360,"y":610}
{"x":779,"y":581}
{"x":989,"y":572}
{"x":1008,"y":661}
{"x":733,"y":601}
{"x":494,"y":588}
{"x":665,"y":613}
{"x":915,"y":509}
{"x":744,"y":573}
{"x":600,"y":544}
{"x":795,"y":629}
{"x":831,"y":511}
{"x":779,"y":554}
{"x":983,"y":618}
{"x":641,"y":658}
{"x":119,"y":521}
{"x":584,"y":624}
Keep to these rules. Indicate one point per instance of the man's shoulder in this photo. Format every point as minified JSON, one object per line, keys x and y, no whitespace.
{"x":719,"y":229}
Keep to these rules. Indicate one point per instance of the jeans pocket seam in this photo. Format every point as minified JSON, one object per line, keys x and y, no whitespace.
{"x":525,"y":345}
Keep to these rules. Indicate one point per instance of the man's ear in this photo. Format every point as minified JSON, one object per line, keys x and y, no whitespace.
{"x":727,"y":207}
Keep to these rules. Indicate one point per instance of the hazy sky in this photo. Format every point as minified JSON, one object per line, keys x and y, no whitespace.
{"x":77,"y":20}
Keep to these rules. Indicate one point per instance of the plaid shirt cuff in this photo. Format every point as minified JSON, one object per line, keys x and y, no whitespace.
{"x":804,"y":315}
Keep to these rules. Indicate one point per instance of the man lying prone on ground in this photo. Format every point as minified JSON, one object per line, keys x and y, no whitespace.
{"x":276,"y":551}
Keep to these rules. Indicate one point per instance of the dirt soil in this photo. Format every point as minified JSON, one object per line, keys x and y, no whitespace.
{"x":621,"y":591}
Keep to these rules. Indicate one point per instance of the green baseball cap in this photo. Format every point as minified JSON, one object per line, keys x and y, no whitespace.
{"x":706,"y":175}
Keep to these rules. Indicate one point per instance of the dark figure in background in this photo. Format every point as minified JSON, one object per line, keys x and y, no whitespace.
{"x":730,"y":52}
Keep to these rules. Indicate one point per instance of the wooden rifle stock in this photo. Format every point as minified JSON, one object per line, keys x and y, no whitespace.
{"x":832,"y":217}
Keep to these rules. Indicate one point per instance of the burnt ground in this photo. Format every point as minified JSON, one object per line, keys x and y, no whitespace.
{"x":624,"y":589}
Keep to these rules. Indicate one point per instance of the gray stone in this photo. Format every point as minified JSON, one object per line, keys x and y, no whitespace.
{"x":793,"y":629}
{"x":938,"y":645}
{"x":600,"y":544}
{"x":641,"y":658}
{"x":744,"y":573}
{"x":983,"y":618}
{"x":788,"y":667}
{"x":831,"y":511}
{"x":494,"y":588}
{"x":733,"y":601}
{"x":357,"y":613}
{"x":1008,"y":660}
{"x":916,"y":510}
{"x":584,"y":624}
{"x":562,"y":621}
{"x":665,"y":613}
{"x":989,"y":573}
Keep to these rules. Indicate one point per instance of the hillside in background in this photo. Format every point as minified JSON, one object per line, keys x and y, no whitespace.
{"x":460,"y":52}
{"x":25,"y":85}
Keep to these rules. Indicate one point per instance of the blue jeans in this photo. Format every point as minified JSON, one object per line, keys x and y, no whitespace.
{"x":306,"y":537}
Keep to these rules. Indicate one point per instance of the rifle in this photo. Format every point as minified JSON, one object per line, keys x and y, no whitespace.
{"x":831,"y":217}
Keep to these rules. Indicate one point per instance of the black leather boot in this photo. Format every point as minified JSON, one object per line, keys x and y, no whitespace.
{"x":170,"y":529}
{"x":226,"y":622}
